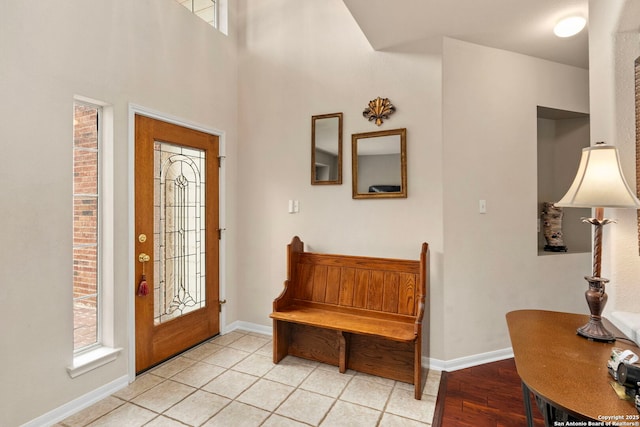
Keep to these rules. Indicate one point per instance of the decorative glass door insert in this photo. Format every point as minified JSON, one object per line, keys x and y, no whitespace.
{"x":179,"y":237}
{"x":176,"y":279}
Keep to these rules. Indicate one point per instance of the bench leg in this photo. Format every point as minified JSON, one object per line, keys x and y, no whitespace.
{"x":343,"y":341}
{"x":280,"y":340}
{"x":417,"y":369}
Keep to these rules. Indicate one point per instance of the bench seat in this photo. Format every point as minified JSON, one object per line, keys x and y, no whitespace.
{"x":357,"y":323}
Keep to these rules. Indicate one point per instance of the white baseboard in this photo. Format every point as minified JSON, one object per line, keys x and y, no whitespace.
{"x":68,"y":409}
{"x":468,"y":361}
{"x":249,"y":327}
{"x":435,"y":364}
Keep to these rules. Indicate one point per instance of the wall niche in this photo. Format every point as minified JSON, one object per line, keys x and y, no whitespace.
{"x":561,"y":137}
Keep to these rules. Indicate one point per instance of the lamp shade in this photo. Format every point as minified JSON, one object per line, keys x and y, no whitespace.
{"x":599,"y":181}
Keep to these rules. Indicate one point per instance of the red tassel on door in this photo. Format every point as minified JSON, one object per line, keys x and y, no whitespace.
{"x":143,"y":288}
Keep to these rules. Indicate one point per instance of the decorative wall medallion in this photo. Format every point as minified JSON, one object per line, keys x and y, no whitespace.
{"x":378,"y":109}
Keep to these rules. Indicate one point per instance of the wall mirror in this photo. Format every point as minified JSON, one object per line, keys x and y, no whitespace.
{"x":326,"y":149}
{"x":379,"y":164}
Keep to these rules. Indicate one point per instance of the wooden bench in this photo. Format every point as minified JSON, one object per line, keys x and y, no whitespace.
{"x":354,"y":312}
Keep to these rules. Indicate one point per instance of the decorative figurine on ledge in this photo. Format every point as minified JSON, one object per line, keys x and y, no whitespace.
{"x":552,"y":227}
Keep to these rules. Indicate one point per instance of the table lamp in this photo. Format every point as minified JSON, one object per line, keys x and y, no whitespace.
{"x":598,"y":184}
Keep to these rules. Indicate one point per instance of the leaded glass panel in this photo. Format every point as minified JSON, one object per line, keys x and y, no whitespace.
{"x":179,"y":250}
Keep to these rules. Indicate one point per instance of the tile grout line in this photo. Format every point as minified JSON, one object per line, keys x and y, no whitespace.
{"x":297,"y":387}
{"x":260,"y":352}
{"x":386,"y":403}
{"x":335,"y":399}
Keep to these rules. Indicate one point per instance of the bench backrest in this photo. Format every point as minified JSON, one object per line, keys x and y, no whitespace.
{"x":394,"y":286}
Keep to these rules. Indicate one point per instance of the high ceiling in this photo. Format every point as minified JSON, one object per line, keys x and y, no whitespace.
{"x":524,"y":26}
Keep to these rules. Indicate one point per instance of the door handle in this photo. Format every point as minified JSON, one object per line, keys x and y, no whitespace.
{"x":143,"y":287}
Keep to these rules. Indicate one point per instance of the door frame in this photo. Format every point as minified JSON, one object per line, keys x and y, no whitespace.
{"x":147,"y":112}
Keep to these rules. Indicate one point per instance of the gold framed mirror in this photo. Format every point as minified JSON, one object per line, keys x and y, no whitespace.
{"x":379,"y":164}
{"x":326,"y":149}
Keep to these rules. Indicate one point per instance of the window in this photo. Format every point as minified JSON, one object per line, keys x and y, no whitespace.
{"x":214,"y":12}
{"x":207,"y":10}
{"x":86,"y":230}
{"x":93,"y":283}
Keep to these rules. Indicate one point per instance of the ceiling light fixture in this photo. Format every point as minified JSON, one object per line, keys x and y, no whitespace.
{"x":569,"y":26}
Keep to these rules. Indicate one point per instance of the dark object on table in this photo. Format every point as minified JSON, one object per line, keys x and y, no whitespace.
{"x":384,"y":189}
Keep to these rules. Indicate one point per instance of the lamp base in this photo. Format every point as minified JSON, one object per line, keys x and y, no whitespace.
{"x":596,"y":300}
{"x":595,"y":330}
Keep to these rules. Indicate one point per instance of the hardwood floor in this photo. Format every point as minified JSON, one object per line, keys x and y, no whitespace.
{"x":488,"y":395}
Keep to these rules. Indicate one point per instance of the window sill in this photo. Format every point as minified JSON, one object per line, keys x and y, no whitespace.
{"x":92,"y":359}
{"x":628,"y":323}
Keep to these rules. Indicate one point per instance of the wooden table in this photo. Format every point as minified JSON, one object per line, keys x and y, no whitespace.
{"x":567,"y":372}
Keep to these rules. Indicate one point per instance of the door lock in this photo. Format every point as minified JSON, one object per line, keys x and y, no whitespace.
{"x":143,"y":286}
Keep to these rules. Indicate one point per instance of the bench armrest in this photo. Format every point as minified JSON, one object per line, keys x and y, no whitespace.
{"x":293,"y":249}
{"x":283,"y":299}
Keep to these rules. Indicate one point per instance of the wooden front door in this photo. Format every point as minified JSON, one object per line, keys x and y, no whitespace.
{"x":176,"y":239}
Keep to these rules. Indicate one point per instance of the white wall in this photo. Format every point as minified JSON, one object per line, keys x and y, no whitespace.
{"x":614,"y":45}
{"x":152,"y":53}
{"x":491,"y":265}
{"x":303,"y":58}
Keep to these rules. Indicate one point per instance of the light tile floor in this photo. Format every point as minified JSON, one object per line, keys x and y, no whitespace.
{"x":231,"y":381}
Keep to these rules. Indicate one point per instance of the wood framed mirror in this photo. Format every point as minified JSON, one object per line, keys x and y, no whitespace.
{"x":326,"y":149}
{"x":379,"y":164}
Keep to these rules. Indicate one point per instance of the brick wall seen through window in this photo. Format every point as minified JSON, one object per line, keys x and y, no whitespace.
{"x":85,"y":225}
